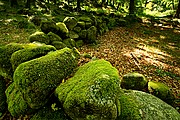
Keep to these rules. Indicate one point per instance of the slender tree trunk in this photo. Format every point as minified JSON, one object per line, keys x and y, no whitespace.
{"x":78,"y":5}
{"x":177,"y":15}
{"x":131,"y":7}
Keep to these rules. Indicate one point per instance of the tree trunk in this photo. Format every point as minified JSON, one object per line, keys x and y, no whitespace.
{"x":131,"y":7}
{"x":177,"y":15}
{"x":78,"y":5}
{"x":28,"y":4}
{"x":13,"y":3}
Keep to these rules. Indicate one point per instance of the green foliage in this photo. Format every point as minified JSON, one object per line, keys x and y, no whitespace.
{"x":163,"y":73}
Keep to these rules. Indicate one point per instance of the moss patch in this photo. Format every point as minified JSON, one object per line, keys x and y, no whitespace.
{"x":37,"y":78}
{"x":91,"y":93}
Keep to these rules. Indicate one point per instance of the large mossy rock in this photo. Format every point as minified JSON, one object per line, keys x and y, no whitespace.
{"x":134,"y":81}
{"x":39,"y":37}
{"x":49,"y":113}
{"x":5,"y":55}
{"x":16,"y":104}
{"x":37,"y":78}
{"x":58,"y":45}
{"x":161,"y":91}
{"x":70,"y":22}
{"x":30,"y":53}
{"x":54,"y":37}
{"x":49,"y":26}
{"x":91,"y":35}
{"x":91,"y":93}
{"x":137,"y":105}
{"x":63,"y":30}
{"x":70,"y":43}
{"x":2,"y":95}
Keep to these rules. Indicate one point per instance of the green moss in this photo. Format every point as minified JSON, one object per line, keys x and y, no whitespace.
{"x":54,"y":37}
{"x":49,"y":26}
{"x":70,"y":43}
{"x":91,"y":35}
{"x":58,"y":45}
{"x":73,"y":35}
{"x":129,"y":106}
{"x":88,"y":25}
{"x":2,"y":94}
{"x":77,"y":29}
{"x":85,"y":19}
{"x":16,"y":104}
{"x":83,"y":34}
{"x":37,"y":78}
{"x":70,"y":22}
{"x":161,"y":91}
{"x":62,"y":27}
{"x":79,"y":43}
{"x":30,"y":53}
{"x":47,"y":113}
{"x":91,"y":93}
{"x":5,"y":55}
{"x":81,"y":24}
{"x":39,"y":37}
{"x":134,"y":81}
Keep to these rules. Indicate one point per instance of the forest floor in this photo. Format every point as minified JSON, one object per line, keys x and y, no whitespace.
{"x":150,"y":49}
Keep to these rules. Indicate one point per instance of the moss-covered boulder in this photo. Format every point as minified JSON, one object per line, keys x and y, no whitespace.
{"x":52,"y":112}
{"x":2,"y":94}
{"x":30,"y":53}
{"x":77,"y":29}
{"x":16,"y":104}
{"x":161,"y":91}
{"x":63,"y":30}
{"x":81,"y":24}
{"x":70,"y":22}
{"x":39,"y":37}
{"x":70,"y":43}
{"x":137,"y":105}
{"x":91,"y":35}
{"x":58,"y":45}
{"x":85,"y":19}
{"x":88,"y":25}
{"x":83,"y":34}
{"x":37,"y":78}
{"x":134,"y":81}
{"x":79,"y":43}
{"x":49,"y":26}
{"x":73,"y":35}
{"x":111,"y":23}
{"x":5,"y":55}
{"x":91,"y":93}
{"x":54,"y":37}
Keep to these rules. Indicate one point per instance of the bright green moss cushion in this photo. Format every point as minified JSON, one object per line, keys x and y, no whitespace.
{"x":37,"y":78}
{"x":91,"y":93}
{"x":27,"y":54}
